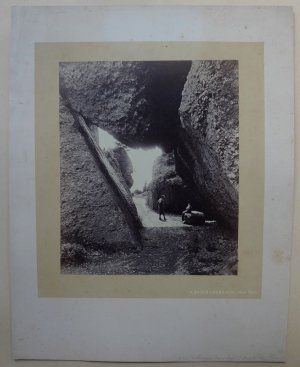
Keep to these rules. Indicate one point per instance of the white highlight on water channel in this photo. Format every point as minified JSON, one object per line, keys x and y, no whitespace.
{"x":142,"y":159}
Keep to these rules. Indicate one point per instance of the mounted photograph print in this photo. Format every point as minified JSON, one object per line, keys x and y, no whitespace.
{"x":152,"y":148}
{"x":149,"y":167}
{"x":151,"y":183}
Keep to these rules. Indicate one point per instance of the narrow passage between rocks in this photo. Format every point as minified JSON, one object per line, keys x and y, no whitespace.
{"x":149,"y":217}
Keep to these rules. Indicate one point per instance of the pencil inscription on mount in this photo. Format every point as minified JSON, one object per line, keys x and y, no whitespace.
{"x":191,"y":111}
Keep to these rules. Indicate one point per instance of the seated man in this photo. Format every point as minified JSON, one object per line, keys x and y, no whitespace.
{"x":187,"y":210}
{"x":194,"y":218}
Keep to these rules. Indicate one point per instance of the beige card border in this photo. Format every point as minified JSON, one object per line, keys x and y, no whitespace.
{"x":247,"y":284}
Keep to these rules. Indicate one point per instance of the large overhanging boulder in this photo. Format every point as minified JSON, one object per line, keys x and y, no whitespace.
{"x":137,"y":102}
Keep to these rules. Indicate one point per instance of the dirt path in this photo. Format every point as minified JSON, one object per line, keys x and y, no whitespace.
{"x":169,"y":247}
{"x":177,"y":250}
{"x":150,"y":218}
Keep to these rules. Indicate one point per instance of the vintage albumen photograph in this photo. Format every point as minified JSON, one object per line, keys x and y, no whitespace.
{"x":149,"y":167}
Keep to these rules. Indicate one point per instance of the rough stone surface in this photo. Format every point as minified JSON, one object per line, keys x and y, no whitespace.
{"x":167,"y":182}
{"x":208,"y":149}
{"x":121,"y":162}
{"x":90,"y":214}
{"x":137,"y":102}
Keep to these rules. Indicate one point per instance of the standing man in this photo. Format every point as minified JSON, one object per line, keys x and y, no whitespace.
{"x":161,"y":207}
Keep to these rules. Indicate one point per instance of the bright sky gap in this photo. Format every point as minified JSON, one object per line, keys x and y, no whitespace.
{"x":142,"y":159}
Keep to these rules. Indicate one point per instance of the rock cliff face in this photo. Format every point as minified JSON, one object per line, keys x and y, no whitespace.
{"x":90,"y":214}
{"x":137,"y":102}
{"x":167,"y":182}
{"x":207,"y":152}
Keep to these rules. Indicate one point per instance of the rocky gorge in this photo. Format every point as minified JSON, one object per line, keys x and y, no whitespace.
{"x":189,"y":109}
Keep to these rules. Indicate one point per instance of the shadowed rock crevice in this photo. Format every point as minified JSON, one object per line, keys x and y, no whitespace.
{"x":198,"y":164}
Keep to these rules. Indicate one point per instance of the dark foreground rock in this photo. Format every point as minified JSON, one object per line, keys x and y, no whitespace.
{"x":90,"y":212}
